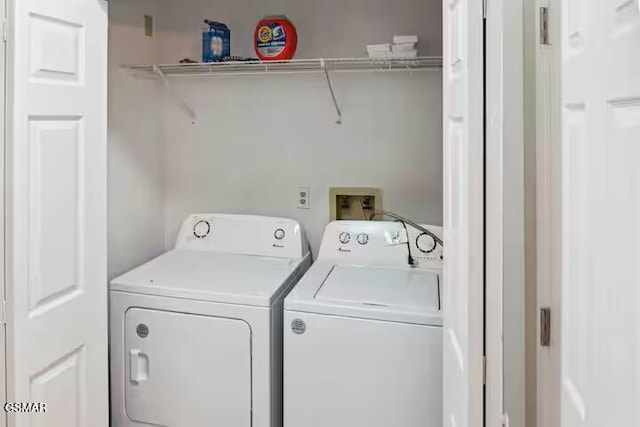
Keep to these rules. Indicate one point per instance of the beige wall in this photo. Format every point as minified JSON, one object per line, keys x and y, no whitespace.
{"x":135,"y":217}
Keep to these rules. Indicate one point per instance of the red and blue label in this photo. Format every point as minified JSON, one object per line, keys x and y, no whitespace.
{"x":276,"y":39}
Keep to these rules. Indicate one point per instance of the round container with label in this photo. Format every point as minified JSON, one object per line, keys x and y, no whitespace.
{"x":276,"y":39}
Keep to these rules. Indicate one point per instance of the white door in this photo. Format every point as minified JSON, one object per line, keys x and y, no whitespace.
{"x":463,"y":212}
{"x":56,"y":212}
{"x":600,"y":332}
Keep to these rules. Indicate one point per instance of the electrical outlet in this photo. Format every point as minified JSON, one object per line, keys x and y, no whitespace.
{"x":304,"y":198}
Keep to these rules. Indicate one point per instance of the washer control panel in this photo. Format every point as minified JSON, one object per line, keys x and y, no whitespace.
{"x":243,"y":234}
{"x":381,"y":242}
{"x":201,"y":229}
{"x":363,"y":238}
{"x":344,"y":237}
{"x":424,"y":247}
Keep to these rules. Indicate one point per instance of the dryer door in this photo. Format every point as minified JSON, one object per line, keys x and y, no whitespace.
{"x":187,"y":370}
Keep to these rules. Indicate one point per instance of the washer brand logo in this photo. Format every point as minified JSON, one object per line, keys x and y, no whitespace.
{"x":142,"y":330}
{"x":298,"y":326}
{"x":275,"y":245}
{"x":344,"y":250}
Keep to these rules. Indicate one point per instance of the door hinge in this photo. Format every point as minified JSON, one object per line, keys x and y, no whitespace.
{"x":545,"y":327}
{"x":4,"y":312}
{"x":5,"y":24}
{"x":544,"y":26}
{"x":484,"y":370}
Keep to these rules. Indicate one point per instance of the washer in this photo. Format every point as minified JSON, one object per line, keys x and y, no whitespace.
{"x":196,"y":334}
{"x":363,"y":331}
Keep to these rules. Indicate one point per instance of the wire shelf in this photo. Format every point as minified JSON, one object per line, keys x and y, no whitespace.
{"x":292,"y":66}
{"x":323,"y":66}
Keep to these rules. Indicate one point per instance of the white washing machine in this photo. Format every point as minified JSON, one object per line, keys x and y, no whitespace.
{"x":363,"y":331}
{"x":196,"y":333}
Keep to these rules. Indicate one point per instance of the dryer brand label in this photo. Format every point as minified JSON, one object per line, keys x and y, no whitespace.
{"x":298,"y":326}
{"x":142,"y":330}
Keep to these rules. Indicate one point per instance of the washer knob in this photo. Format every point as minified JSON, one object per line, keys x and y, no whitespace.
{"x":279,"y":234}
{"x":344,"y":237}
{"x":426,"y":244}
{"x":363,"y":238}
{"x":201,"y":229}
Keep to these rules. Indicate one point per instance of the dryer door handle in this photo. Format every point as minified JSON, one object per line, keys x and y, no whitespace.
{"x":138,"y":366}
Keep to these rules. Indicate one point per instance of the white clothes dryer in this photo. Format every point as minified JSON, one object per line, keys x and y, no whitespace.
{"x":196,"y":333}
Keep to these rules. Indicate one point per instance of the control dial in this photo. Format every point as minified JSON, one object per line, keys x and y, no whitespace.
{"x":426,"y":244}
{"x":279,"y":234}
{"x":344,"y":237}
{"x":363,"y":238}
{"x":201,"y":229}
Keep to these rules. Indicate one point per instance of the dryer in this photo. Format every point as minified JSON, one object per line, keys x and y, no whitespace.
{"x":196,"y":333}
{"x":363,"y":331}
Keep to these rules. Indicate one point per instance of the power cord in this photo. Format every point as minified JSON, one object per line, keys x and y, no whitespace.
{"x":411,"y":223}
{"x":410,"y":260}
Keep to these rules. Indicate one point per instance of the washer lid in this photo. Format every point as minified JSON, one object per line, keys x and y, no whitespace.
{"x":394,"y":294}
{"x":211,"y":276}
{"x":388,"y":287}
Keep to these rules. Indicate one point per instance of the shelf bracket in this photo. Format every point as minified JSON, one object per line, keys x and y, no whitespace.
{"x":325,"y":70}
{"x":181,"y":102}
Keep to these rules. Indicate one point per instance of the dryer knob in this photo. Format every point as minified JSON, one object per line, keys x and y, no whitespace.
{"x":201,"y":229}
{"x":279,"y":234}
{"x":344,"y":237}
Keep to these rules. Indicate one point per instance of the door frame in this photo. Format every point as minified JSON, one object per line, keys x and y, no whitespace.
{"x":3,"y":129}
{"x":7,"y":199}
{"x":505,"y":397}
{"x":549,"y":210}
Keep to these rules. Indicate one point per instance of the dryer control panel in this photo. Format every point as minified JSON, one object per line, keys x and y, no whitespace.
{"x":381,"y":243}
{"x":243,"y":234}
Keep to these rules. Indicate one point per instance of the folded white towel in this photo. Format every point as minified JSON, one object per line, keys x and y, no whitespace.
{"x":398,"y":47}
{"x":405,"y":53}
{"x":379,"y":47}
{"x":405,"y":39}
{"x":379,"y":50}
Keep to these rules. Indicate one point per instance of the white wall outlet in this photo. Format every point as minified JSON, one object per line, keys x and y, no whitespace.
{"x":304,"y":198}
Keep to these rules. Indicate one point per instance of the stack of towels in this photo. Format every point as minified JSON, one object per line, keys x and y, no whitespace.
{"x":402,"y":47}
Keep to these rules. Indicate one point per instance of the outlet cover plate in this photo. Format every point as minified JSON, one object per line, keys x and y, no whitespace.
{"x":304,"y":198}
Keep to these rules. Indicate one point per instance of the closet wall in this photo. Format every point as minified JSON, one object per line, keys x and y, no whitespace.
{"x":257,"y":138}
{"x":135,"y":142}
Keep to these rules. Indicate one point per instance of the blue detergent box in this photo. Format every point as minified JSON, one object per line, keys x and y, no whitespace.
{"x":216,"y":41}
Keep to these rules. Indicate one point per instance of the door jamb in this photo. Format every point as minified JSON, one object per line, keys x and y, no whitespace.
{"x":549,"y":210}
{"x":504,"y":206}
{"x":4,"y":22}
